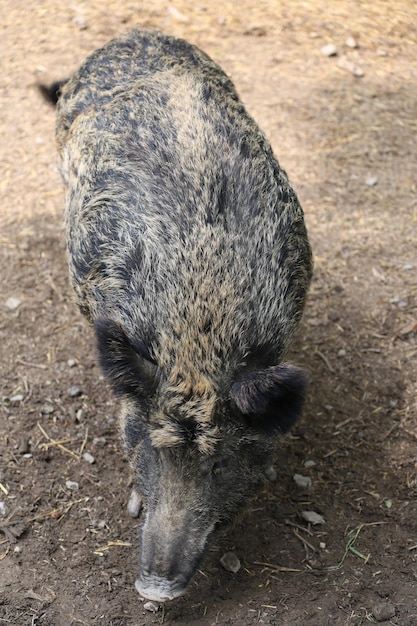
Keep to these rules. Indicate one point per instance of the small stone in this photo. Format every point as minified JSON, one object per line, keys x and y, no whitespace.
{"x":308,"y":464}
{"x":351,"y":42}
{"x":180,"y":17}
{"x":89,"y":458}
{"x":371,"y":181}
{"x":322,"y":545}
{"x":80,"y":22}
{"x":47,"y":409}
{"x":72,"y":485}
{"x":381,"y":53}
{"x":151,"y":606}
{"x":18,"y":397}
{"x":75,"y":391}
{"x":3,"y":509}
{"x":312,"y":517}
{"x":383,"y":611}
{"x":271,"y":474}
{"x":302,"y":481}
{"x":13,"y":303}
{"x":329,"y":50}
{"x":79,"y":416}
{"x":99,"y":441}
{"x":71,"y":362}
{"x":17,"y":549}
{"x":341,"y":353}
{"x":230,"y":562}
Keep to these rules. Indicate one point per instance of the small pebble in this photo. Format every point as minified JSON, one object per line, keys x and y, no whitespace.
{"x":329,"y":50}
{"x":72,"y":485}
{"x":341,"y":353}
{"x":18,"y":397}
{"x":71,"y":362}
{"x":302,"y":481}
{"x":351,"y":42}
{"x":47,"y":409}
{"x":308,"y":464}
{"x":322,"y":545}
{"x":230,"y":562}
{"x":383,"y":611}
{"x":271,"y":474}
{"x":89,"y":458}
{"x":3,"y":509}
{"x":13,"y":303}
{"x":75,"y":391}
{"x":180,"y":17}
{"x":17,"y":549}
{"x":151,"y":606}
{"x":99,"y":441}
{"x":371,"y":181}
{"x":312,"y":517}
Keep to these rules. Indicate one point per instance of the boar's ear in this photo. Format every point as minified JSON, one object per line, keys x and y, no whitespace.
{"x":271,"y":400}
{"x":125,"y":362}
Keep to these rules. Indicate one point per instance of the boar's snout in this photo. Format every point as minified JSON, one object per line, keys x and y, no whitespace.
{"x":159,"y":588}
{"x":170,"y":553}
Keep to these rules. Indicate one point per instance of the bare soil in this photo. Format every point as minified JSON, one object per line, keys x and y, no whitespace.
{"x":349,"y":144}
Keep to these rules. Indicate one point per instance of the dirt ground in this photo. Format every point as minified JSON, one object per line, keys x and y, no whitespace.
{"x":345,"y":129}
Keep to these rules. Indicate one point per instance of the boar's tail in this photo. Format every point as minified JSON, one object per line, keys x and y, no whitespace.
{"x":52,"y":92}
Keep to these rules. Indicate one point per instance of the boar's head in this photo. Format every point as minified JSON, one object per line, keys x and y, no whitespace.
{"x":196,"y":460}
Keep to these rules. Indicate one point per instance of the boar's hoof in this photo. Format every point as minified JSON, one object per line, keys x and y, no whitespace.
{"x":135,"y":504}
{"x":159,"y":589}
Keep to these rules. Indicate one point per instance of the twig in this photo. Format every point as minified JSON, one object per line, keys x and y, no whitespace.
{"x":27,"y":364}
{"x":58,"y":444}
{"x":303,"y":540}
{"x":305,"y":530}
{"x":55,"y":512}
{"x":277,"y":568}
{"x":84,"y":443}
{"x":326,"y":360}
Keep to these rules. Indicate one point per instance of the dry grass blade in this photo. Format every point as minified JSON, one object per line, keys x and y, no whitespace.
{"x":277,"y":568}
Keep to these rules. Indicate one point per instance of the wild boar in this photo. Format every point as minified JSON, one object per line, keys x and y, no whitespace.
{"x":188,"y":252}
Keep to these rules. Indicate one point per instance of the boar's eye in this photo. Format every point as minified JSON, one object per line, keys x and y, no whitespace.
{"x":219,"y":466}
{"x":126,"y":362}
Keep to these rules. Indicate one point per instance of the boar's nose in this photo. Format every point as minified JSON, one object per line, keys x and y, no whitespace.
{"x":159,"y":589}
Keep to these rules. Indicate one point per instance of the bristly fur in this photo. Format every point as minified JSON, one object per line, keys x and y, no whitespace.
{"x":188,"y":252}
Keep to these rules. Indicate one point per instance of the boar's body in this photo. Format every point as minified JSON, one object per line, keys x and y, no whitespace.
{"x":188,"y":251}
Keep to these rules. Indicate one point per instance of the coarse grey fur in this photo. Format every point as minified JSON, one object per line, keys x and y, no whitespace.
{"x":188,"y":252}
